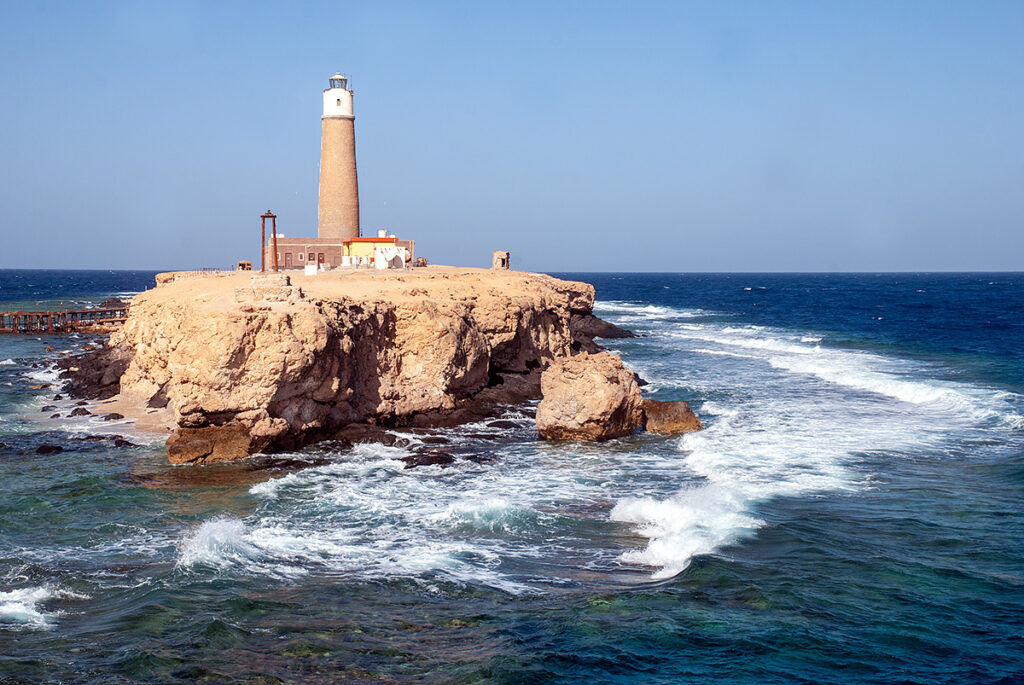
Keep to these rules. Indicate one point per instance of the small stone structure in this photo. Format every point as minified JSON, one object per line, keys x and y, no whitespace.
{"x":500,"y":259}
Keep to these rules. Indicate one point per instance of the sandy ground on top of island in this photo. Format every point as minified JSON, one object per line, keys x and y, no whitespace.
{"x":437,"y":282}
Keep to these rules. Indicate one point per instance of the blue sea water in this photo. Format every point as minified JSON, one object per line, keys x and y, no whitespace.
{"x":851,"y":513}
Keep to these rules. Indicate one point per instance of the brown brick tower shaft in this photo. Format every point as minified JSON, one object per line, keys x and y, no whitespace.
{"x":339,"y":187}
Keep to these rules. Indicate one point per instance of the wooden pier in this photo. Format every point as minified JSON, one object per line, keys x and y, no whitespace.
{"x":63,"y":321}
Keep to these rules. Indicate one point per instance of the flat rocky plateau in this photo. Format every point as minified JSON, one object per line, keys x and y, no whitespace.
{"x":247,"y":362}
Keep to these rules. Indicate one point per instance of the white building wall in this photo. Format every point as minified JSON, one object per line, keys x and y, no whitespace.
{"x":338,"y":102}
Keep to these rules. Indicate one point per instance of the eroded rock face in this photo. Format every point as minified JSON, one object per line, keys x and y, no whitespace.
{"x":671,"y":418}
{"x":588,"y":397}
{"x":267,"y":365}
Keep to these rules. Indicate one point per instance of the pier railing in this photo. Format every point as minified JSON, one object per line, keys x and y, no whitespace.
{"x":62,"y":321}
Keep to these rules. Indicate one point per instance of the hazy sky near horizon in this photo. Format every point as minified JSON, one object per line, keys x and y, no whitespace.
{"x":605,"y":136}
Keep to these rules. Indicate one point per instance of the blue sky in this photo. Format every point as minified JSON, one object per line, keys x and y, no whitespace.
{"x":717,"y":136}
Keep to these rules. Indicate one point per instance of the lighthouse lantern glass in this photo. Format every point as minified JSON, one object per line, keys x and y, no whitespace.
{"x":338,"y":82}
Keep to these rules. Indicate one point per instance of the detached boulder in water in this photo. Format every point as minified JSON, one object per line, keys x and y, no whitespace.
{"x":669,"y":417}
{"x":588,"y":397}
{"x":211,"y":444}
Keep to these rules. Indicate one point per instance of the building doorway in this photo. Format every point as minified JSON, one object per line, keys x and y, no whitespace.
{"x":287,"y":260}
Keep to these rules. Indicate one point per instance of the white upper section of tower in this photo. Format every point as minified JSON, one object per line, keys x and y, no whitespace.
{"x":338,"y":98}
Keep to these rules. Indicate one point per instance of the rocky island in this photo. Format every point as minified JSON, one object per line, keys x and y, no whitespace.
{"x":240,"y":363}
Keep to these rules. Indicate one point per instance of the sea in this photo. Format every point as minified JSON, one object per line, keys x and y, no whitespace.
{"x":853,"y":511}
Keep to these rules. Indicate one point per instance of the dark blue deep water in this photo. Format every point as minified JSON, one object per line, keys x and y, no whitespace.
{"x":852,"y":513}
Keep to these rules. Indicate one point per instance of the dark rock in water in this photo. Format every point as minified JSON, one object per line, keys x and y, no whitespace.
{"x":121,"y":442}
{"x":428,"y":459}
{"x":639,"y":381}
{"x":599,"y":328}
{"x":356,"y":433}
{"x":480,"y":458}
{"x":483,"y":436}
{"x":54,"y":416}
{"x":35,"y":365}
{"x":113,"y":303}
{"x":211,"y":444}
{"x":585,"y":327}
{"x":81,"y":411}
{"x":94,"y":438}
{"x":50,"y":348}
{"x":435,"y":440}
{"x":289,"y":463}
{"x":58,"y":397}
{"x":670,"y":418}
{"x":4,"y":446}
{"x":113,"y":416}
{"x":49,"y":449}
{"x":83,"y":403}
{"x":49,"y":407}
{"x":502,"y":423}
{"x":96,"y":374}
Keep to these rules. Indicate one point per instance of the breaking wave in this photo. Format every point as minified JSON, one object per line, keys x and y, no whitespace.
{"x":777,"y":435}
{"x":24,"y":609}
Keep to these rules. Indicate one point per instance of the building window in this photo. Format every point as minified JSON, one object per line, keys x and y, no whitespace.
{"x":338,"y":101}
{"x":302,"y":256}
{"x":310,"y":256}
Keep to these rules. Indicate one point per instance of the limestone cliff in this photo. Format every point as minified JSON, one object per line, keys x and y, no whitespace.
{"x":249,"y":363}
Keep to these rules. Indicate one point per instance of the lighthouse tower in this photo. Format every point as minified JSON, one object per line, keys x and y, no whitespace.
{"x":338,"y":212}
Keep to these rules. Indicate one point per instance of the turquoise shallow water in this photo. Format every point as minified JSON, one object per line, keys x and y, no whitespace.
{"x":851,"y":514}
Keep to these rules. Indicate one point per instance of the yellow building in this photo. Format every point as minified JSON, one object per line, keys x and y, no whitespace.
{"x":364,"y":247}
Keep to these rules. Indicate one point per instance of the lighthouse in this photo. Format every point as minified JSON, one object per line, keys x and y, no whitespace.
{"x":338,"y":207}
{"x":338,"y":243}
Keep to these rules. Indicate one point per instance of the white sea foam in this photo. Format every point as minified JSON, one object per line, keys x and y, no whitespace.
{"x":219,"y":543}
{"x":20,"y":608}
{"x":8,"y":362}
{"x":772,"y":344}
{"x":725,"y":353}
{"x":492,"y":514}
{"x":698,"y":520}
{"x":226,"y":543}
{"x":24,"y":608}
{"x":50,"y":375}
{"x":630,"y":309}
{"x":853,"y":371}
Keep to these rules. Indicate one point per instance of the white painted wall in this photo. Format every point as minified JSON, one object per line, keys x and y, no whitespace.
{"x":337,"y":102}
{"x":390,"y":257}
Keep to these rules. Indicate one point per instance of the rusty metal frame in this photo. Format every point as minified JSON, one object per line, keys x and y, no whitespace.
{"x":263,"y":238}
